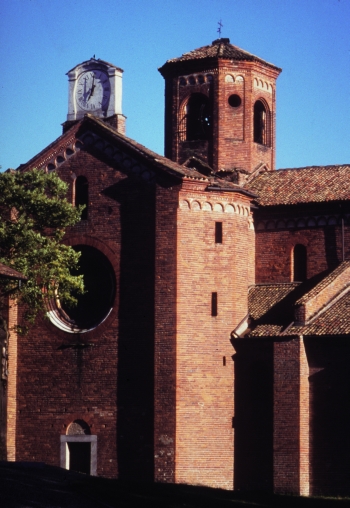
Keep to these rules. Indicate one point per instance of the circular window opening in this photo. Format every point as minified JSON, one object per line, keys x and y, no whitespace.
{"x":234,"y":101}
{"x":96,"y":303}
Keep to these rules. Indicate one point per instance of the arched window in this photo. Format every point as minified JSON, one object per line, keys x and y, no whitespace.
{"x":299,"y":263}
{"x":198,"y":117}
{"x":260,"y":123}
{"x":82,"y":195}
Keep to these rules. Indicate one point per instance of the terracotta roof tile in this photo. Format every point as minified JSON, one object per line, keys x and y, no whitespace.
{"x":324,"y":283}
{"x":9,"y":273}
{"x":271,"y":307}
{"x":312,"y":184}
{"x":220,"y":48}
{"x":263,"y":297}
{"x":267,"y":330}
{"x":333,"y":321}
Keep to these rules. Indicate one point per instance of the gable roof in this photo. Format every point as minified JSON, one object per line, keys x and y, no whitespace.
{"x":95,"y":133}
{"x":335,"y":320}
{"x":276,"y":309}
{"x":77,"y":133}
{"x":313,"y":184}
{"x":219,"y":49}
{"x":327,"y":281}
{"x":9,"y":273}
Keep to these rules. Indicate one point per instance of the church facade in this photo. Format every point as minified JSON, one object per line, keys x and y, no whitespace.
{"x":212,"y":345}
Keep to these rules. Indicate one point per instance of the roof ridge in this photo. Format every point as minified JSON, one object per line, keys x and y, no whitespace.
{"x":315,"y":167}
{"x":323,"y":283}
{"x":342,"y":292}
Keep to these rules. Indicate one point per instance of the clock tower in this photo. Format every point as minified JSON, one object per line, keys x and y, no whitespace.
{"x":95,"y":87}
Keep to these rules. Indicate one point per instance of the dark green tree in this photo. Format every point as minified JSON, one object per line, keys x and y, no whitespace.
{"x":34,"y":214}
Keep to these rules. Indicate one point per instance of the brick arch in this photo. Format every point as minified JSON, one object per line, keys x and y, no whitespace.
{"x":262,"y":122}
{"x":69,"y":418}
{"x":184,"y":126}
{"x":92,"y":241}
{"x":207,"y":206}
{"x":195,"y":205}
{"x":78,"y":426}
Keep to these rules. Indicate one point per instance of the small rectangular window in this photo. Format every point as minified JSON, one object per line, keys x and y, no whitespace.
{"x":218,"y":232}
{"x":214,"y":304}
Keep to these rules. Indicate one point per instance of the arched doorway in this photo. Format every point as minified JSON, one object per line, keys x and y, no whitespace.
{"x":79,"y":449}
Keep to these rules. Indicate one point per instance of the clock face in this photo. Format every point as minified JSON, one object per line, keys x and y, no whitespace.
{"x":93,"y":90}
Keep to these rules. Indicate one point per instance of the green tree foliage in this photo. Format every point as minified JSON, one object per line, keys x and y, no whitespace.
{"x":34,"y":214}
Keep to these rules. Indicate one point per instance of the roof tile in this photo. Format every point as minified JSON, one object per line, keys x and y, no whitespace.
{"x":220,"y":48}
{"x":9,"y":273}
{"x":333,"y":321}
{"x":312,"y":184}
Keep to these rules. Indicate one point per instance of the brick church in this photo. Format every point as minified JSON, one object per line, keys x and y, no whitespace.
{"x":212,"y":345}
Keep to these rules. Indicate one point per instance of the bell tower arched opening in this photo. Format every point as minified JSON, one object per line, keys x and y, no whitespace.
{"x":198,"y":117}
{"x":261,"y":123}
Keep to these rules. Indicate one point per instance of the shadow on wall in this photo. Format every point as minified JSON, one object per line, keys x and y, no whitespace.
{"x":330,"y":415}
{"x":253,"y":422}
{"x":330,"y":239}
{"x":135,"y":383}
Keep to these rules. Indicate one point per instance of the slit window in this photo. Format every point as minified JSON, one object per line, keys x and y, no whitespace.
{"x":218,"y":232}
{"x":214,"y":304}
{"x":299,"y":263}
{"x":82,"y":195}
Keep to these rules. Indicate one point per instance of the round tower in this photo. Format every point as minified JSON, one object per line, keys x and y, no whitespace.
{"x":220,"y":104}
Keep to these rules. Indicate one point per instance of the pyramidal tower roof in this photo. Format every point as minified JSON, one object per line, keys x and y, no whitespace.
{"x":218,"y":49}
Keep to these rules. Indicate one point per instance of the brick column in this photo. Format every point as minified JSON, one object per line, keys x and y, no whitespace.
{"x":165,"y":336}
{"x":291,"y":418}
{"x":12,"y":383}
{"x":304,"y":419}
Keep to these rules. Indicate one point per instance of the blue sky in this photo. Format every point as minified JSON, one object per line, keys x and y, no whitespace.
{"x":40,"y":40}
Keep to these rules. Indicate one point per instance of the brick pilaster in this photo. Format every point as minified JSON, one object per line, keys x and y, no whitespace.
{"x":12,"y":383}
{"x":291,"y":418}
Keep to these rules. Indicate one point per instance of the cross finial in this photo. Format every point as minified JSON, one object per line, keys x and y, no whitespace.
{"x":219,"y":28}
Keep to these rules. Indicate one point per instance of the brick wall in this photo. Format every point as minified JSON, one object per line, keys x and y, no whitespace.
{"x":204,"y":368}
{"x":288,"y":417}
{"x":234,"y":145}
{"x":165,"y":334}
{"x":58,"y":382}
{"x":275,"y":247}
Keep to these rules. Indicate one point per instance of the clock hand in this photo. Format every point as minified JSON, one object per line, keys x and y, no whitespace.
{"x":92,"y":88}
{"x":86,"y":93}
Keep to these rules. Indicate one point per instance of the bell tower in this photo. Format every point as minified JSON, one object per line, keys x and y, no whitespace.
{"x":220,"y":104}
